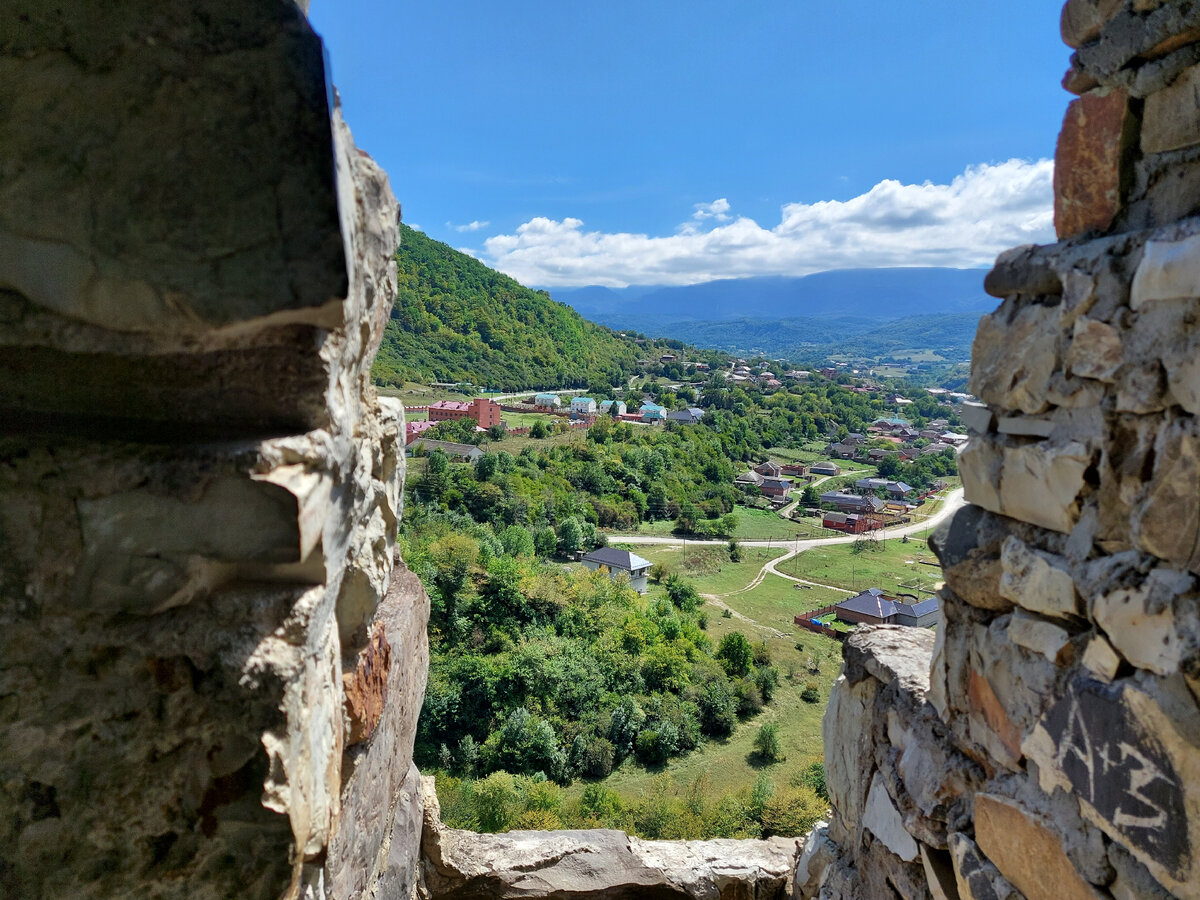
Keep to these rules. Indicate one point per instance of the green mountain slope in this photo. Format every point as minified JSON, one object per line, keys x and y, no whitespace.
{"x":456,"y":320}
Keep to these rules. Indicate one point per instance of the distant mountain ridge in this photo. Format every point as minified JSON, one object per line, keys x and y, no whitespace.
{"x":868,"y":293}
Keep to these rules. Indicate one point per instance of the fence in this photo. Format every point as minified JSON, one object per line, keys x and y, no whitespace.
{"x":805,"y":620}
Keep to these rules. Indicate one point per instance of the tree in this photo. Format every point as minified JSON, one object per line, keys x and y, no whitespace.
{"x":889,"y":467}
{"x":766,"y":743}
{"x":539,"y":430}
{"x":570,"y":535}
{"x":544,"y":541}
{"x":736,"y":654}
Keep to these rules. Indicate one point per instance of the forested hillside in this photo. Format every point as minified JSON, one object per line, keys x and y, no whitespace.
{"x":457,"y":320}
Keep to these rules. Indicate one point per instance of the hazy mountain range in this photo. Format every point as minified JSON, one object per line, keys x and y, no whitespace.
{"x":873,"y":311}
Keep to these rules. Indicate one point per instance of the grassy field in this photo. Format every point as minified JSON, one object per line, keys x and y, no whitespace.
{"x":891,"y":565}
{"x":708,"y":568}
{"x":525,"y":419}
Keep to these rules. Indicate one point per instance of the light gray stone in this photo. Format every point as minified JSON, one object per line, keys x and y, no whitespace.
{"x":1036,"y":581}
{"x":882,"y":819}
{"x":1141,"y":623}
{"x":1039,"y":635}
{"x":976,"y":416}
{"x":1171,"y":116}
{"x":1095,"y":350}
{"x":1169,"y":270}
{"x":1014,"y":354}
{"x":816,"y":856}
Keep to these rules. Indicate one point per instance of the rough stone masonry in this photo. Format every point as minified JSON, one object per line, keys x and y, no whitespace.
{"x":210,"y":661}
{"x":1045,"y":743}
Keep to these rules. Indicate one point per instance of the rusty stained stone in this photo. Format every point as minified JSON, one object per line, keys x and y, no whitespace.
{"x":1026,"y":852}
{"x":986,"y":704}
{"x":366,"y":688}
{"x":1088,"y":162}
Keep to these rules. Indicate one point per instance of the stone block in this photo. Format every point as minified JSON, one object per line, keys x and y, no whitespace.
{"x":1037,"y":581}
{"x":1095,"y":350}
{"x":1165,"y":519}
{"x":1039,"y":635}
{"x":1036,"y":483}
{"x":1088,"y":162}
{"x":1023,"y":270}
{"x":815,"y":856}
{"x":1100,"y":659}
{"x":1142,"y":624}
{"x":1027,"y":851}
{"x":1082,"y":20}
{"x":976,"y":416}
{"x":1169,"y":270}
{"x":986,"y":708}
{"x":1013,"y":355}
{"x":1130,"y":752}
{"x":968,"y":547}
{"x":977,"y":879}
{"x":883,"y":820}
{"x":1171,"y":118}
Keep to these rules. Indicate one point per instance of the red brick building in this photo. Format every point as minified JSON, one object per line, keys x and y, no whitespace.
{"x":486,"y":413}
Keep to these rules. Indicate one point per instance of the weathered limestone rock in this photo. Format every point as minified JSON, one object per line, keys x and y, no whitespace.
{"x":1088,"y":162}
{"x":883,"y":820}
{"x":217,"y":661}
{"x":1066,"y":668}
{"x":598,"y":863}
{"x":817,"y":854}
{"x":1036,"y":581}
{"x":1013,"y":357}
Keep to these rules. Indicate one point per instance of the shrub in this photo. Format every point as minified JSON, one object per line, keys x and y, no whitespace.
{"x":718,"y":708}
{"x":735,"y":654}
{"x":766,"y":743}
{"x":727,"y":613}
{"x":495,"y":802}
{"x":766,"y":679}
{"x":811,"y":692}
{"x":813,"y":776}
{"x":749,"y":699}
{"x":792,"y":812}
{"x":599,"y":802}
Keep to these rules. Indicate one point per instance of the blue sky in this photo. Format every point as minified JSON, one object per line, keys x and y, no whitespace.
{"x":673,"y":141}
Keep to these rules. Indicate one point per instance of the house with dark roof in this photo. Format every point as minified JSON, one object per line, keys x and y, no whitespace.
{"x":770,"y":469}
{"x":618,"y":561}
{"x":775,"y":487}
{"x":874,"y":607}
{"x":750,"y":477}
{"x":896,"y":490}
{"x":855,"y":503}
{"x":825,"y":468}
{"x":689,"y":416}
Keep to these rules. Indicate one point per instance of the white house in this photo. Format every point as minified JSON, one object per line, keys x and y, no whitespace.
{"x":583,"y":406}
{"x":620,"y":561}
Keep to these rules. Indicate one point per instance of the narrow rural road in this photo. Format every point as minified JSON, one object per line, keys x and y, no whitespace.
{"x":953,"y":502}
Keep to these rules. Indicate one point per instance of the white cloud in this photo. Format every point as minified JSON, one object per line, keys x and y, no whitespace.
{"x":470,"y":226}
{"x":718,"y":209}
{"x":983,"y":211}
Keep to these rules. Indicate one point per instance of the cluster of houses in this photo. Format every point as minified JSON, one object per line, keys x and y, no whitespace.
{"x":650,"y":413}
{"x":742,"y":373}
{"x":902,"y":435}
{"x":771,"y":479}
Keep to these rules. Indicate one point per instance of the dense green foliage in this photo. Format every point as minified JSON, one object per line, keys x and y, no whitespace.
{"x":456,"y":320}
{"x":502,"y":801}
{"x":564,"y":673}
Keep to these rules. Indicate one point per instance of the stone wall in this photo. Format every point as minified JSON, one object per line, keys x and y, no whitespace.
{"x":1046,"y":742}
{"x":210,"y":660}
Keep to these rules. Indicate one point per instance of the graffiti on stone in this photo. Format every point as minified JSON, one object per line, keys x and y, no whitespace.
{"x":1119,"y":767}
